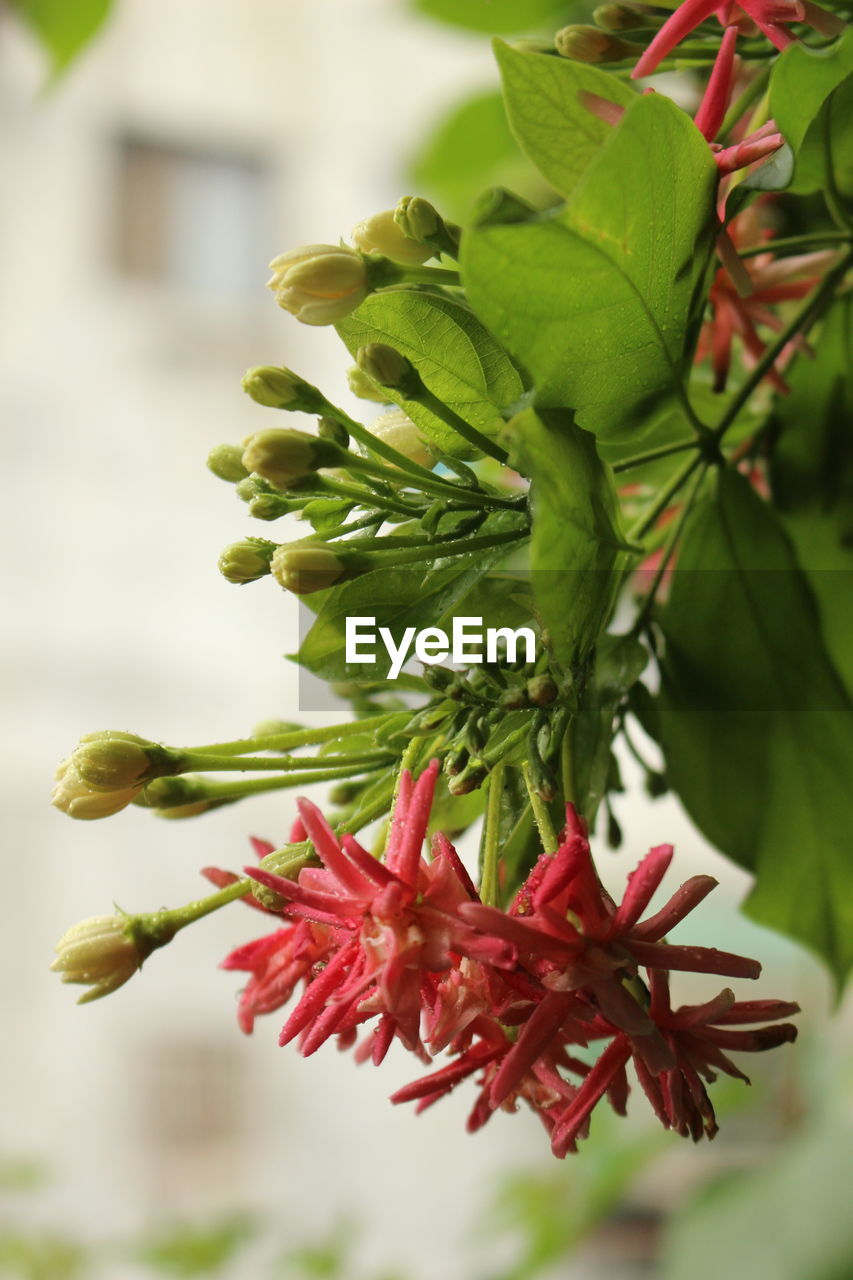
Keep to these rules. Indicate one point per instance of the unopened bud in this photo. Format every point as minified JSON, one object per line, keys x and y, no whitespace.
{"x":319,"y":283}
{"x":284,"y":456}
{"x":304,"y":567}
{"x":621,"y":17}
{"x":589,"y":44}
{"x":365,"y":388}
{"x":112,"y":761}
{"x":226,"y":462}
{"x":276,"y":728}
{"x":279,"y":388}
{"x":100,"y":953}
{"x":384,"y":365}
{"x":417,"y":218}
{"x":272,"y":506}
{"x":72,"y":796}
{"x":396,"y":429}
{"x":380,"y":233}
{"x":470,"y":779}
{"x":541,"y":690}
{"x":247,"y":560}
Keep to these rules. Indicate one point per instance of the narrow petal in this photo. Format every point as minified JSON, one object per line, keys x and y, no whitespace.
{"x":642,"y":884}
{"x":686,"y":17}
{"x":682,"y":902}
{"x":590,"y":1092}
{"x":662,"y":955}
{"x":537,"y":1033}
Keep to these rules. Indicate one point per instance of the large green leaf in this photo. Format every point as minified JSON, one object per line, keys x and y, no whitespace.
{"x":599,"y":299}
{"x":458,"y":360}
{"x":494,"y":15}
{"x":813,"y":477}
{"x":64,"y":27}
{"x":756,"y":725}
{"x":471,"y":148}
{"x":576,"y":540}
{"x":811,"y":97}
{"x":547,"y":113}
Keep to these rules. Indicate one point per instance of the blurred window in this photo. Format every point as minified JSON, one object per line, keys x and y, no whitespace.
{"x":190,"y":219}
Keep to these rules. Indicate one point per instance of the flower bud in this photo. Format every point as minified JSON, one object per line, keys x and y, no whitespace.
{"x":275,"y":729}
{"x":621,"y":17}
{"x":281,"y":389}
{"x":271,"y":506}
{"x":111,"y":761}
{"x":284,"y":456}
{"x":247,"y":560}
{"x":417,"y":218}
{"x":394,"y":428}
{"x":363,"y":387}
{"x":589,"y":44}
{"x":319,"y":283}
{"x":303,"y":567}
{"x":100,"y":953}
{"x":72,"y":796}
{"x":384,"y":365}
{"x":225,"y":461}
{"x":541,"y":690}
{"x":381,"y":233}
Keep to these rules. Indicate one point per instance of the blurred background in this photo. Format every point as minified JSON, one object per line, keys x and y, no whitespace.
{"x":144,"y":194}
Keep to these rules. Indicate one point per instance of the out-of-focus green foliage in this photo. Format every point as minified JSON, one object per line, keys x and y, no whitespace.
{"x":64,"y":27}
{"x":189,"y":1251}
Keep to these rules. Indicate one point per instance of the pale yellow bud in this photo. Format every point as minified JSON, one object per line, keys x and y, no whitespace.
{"x":319,"y":283}
{"x":100,"y":953}
{"x":394,"y":428}
{"x":72,"y":796}
{"x":114,"y":761}
{"x":381,"y":234}
{"x":283,"y":456}
{"x":303,"y":567}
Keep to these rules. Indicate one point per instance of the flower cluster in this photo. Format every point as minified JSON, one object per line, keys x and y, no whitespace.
{"x":516,"y":997}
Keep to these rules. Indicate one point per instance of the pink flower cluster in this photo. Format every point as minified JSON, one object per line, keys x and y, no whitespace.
{"x":407,"y":946}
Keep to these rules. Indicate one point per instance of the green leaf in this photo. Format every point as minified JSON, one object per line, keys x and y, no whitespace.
{"x":756,"y":725}
{"x":493,"y":15}
{"x":812,"y":478}
{"x":811,"y":100}
{"x":599,"y":299}
{"x":619,"y":663}
{"x":471,"y":148}
{"x":576,"y":539}
{"x":547,"y":114}
{"x":64,"y":27}
{"x":458,"y":360}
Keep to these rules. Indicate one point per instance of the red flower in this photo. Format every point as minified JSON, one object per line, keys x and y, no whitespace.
{"x":773,"y":17}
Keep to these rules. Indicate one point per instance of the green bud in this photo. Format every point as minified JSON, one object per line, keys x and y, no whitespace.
{"x":589,"y":44}
{"x":363,"y":387}
{"x":514,"y":699}
{"x":285,"y":456}
{"x":279,"y":388}
{"x":541,"y":690}
{"x":384,"y":365}
{"x":71,"y":795}
{"x":346,"y":792}
{"x":331,"y":429}
{"x":111,"y":761}
{"x":276,"y":728}
{"x":305,"y":567}
{"x":226,"y":462}
{"x":438,"y":678}
{"x":456,"y":760}
{"x":269,"y":506}
{"x":100,"y":953}
{"x":620,"y":17}
{"x":421,"y":221}
{"x":470,"y":779}
{"x":246,"y":561}
{"x":381,"y":233}
{"x":168,"y":793}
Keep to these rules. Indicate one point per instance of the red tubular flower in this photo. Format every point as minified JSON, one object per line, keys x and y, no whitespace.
{"x":773,"y":17}
{"x":277,"y":963}
{"x":698,"y":1036}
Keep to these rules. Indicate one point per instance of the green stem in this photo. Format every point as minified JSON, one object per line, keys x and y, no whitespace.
{"x":668,"y":549}
{"x":541,"y":816}
{"x":366,"y":497}
{"x":308,"y":737}
{"x":429,"y":551}
{"x":430,"y":275}
{"x":425,"y":397}
{"x":741,"y":105}
{"x":193,"y":762}
{"x":567,"y":772}
{"x":664,"y":498}
{"x":489,"y":887}
{"x":800,"y":324}
{"x":797,"y":242}
{"x":653,"y":455}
